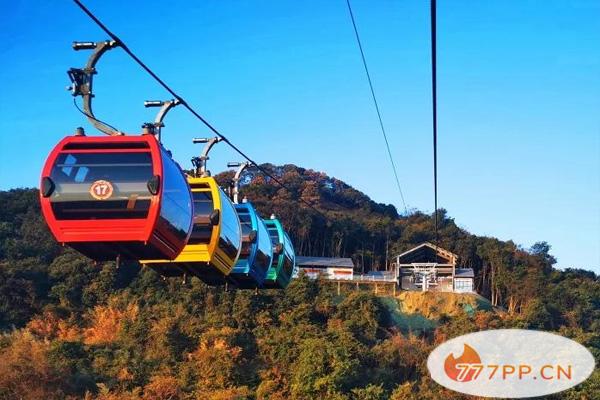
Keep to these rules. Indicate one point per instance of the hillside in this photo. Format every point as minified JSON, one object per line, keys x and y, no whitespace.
{"x":73,"y":329}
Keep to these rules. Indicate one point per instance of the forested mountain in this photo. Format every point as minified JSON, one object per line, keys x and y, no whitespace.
{"x":75,"y":329}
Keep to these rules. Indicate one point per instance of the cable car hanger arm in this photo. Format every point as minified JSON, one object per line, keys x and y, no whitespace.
{"x":82,"y":81}
{"x":241,"y":166}
{"x":200,"y":162}
{"x":165,"y":107}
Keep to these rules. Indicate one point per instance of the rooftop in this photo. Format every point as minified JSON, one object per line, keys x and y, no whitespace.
{"x":464,"y":273}
{"x":324,"y":262}
{"x":380,"y":273}
{"x":429,"y":253}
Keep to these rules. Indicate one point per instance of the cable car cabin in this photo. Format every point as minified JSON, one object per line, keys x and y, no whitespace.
{"x":257,"y":251}
{"x":216,"y":240}
{"x":284,"y":257}
{"x":116,"y":196}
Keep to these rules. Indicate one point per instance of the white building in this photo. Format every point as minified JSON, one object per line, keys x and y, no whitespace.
{"x":326,"y":267}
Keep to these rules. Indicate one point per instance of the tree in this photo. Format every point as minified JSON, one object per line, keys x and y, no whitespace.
{"x":26,"y":373}
{"x":323,"y":369}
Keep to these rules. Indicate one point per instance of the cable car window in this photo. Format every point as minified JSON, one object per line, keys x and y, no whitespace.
{"x":287,"y":243}
{"x":274,"y":234}
{"x":262,"y":257}
{"x":288,"y":265}
{"x":101,"y":186}
{"x":246,"y":249}
{"x":246,"y":224}
{"x":288,"y":262}
{"x":203,"y":206}
{"x":245,"y":220}
{"x":176,"y":205}
{"x":229,"y":239}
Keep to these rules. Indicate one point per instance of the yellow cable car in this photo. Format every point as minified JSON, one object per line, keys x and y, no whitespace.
{"x":216,"y":240}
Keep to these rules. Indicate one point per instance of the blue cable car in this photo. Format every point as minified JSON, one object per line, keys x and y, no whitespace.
{"x":256,"y":255}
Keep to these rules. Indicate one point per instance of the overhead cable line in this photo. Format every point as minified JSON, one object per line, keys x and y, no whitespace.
{"x":434,"y":101}
{"x":184,"y":103}
{"x":387,"y":144}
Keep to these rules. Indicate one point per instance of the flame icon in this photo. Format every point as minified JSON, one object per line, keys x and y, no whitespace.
{"x":454,"y":367}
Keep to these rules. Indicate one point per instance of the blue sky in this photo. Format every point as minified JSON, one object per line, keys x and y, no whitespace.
{"x":518,"y":83}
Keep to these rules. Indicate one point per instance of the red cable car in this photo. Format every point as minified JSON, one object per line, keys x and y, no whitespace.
{"x":116,"y":197}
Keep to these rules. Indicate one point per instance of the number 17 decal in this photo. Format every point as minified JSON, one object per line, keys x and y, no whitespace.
{"x":101,"y":190}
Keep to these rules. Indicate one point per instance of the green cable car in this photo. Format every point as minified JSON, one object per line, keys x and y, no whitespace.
{"x":284,"y":258}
